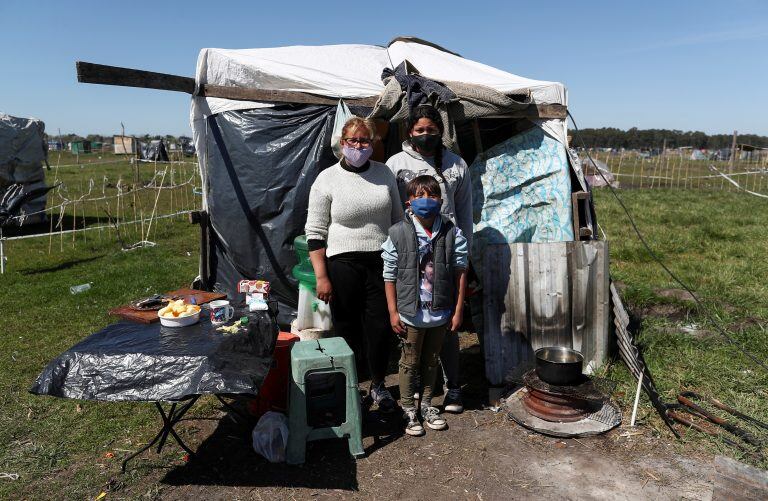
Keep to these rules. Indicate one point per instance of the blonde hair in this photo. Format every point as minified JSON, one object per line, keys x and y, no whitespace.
{"x":355,"y":122}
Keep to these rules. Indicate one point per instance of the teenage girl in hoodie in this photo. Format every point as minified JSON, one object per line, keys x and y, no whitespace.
{"x":424,"y":153}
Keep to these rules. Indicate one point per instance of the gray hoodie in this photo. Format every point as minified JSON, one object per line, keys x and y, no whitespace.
{"x":457,"y":195}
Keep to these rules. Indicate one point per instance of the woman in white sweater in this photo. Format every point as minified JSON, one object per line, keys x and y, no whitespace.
{"x":352,"y":204}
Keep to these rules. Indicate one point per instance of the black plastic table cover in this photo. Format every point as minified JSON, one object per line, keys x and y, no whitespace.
{"x":149,"y":362}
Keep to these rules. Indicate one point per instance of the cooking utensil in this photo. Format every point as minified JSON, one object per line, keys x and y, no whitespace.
{"x":558,"y":365}
{"x":152,"y":303}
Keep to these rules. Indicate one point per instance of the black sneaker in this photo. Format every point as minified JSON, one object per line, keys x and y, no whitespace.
{"x":452,"y":401}
{"x":383,"y":398}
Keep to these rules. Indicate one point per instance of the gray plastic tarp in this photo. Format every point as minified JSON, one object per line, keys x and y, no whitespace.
{"x":149,"y":362}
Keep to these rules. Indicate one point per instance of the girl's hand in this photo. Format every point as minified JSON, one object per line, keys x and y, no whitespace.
{"x":397,"y":325}
{"x":456,"y":320}
{"x":324,"y":289}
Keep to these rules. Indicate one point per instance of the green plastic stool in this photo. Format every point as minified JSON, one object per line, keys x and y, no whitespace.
{"x":324,"y":399}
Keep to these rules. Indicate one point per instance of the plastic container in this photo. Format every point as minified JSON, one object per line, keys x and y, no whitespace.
{"x":273,"y":394}
{"x":312,"y":313}
{"x":77,"y":289}
{"x":303,"y":271}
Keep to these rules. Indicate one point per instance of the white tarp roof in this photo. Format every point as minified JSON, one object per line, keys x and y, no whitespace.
{"x":350,"y":71}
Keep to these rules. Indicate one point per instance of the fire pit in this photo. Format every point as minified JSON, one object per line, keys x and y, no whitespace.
{"x":560,"y":403}
{"x":579,"y":409}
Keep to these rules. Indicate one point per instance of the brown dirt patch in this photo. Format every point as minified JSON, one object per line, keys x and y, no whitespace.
{"x":481,"y":456}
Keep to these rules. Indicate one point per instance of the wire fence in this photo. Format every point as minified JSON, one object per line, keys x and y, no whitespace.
{"x":678,"y":170}
{"x":115,"y":200}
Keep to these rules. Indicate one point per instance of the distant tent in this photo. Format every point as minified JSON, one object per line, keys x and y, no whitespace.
{"x":153,"y":151}
{"x":592,"y":170}
{"x":698,"y":155}
{"x":81,"y":147}
{"x":22,"y":154}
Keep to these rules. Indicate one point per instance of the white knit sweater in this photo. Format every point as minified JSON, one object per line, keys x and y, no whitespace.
{"x":352,"y":211}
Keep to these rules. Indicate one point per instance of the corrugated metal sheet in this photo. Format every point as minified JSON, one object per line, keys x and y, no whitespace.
{"x":546,"y":294}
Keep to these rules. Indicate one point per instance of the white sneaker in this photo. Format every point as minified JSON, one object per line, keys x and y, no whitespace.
{"x":432,"y":418}
{"x":452,"y":401}
{"x":412,"y":425}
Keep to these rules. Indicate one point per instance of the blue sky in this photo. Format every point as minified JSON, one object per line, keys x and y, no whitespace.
{"x":694,"y":65}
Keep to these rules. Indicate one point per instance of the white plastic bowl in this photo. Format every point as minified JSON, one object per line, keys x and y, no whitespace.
{"x":180,"y":321}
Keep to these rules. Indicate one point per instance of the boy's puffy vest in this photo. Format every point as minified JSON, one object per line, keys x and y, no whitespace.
{"x":408,"y":281}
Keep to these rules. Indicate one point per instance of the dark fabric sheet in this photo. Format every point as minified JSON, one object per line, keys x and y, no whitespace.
{"x":261,"y":166}
{"x":140,"y":362}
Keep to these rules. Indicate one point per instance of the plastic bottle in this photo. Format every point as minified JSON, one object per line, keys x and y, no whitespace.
{"x":77,"y":289}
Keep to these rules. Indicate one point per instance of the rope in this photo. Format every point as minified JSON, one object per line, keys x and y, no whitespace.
{"x":62,"y":232}
{"x":737,"y":185}
{"x":67,"y":201}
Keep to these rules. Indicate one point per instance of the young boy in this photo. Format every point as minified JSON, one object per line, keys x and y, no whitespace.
{"x":425,"y":262}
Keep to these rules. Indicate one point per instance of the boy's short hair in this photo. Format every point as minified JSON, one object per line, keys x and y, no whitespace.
{"x":424,"y":183}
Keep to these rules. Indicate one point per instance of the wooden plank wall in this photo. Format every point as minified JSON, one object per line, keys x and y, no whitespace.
{"x":548,"y":294}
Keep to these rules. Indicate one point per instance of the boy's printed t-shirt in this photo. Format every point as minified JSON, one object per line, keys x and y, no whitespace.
{"x":425,"y":316}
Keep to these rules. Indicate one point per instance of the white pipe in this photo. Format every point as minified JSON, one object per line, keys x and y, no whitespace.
{"x":637,"y":399}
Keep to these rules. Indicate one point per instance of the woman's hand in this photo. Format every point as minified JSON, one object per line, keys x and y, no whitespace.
{"x":397,"y":325}
{"x":456,"y":320}
{"x":323,"y":289}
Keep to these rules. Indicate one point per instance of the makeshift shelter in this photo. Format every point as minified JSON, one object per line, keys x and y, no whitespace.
{"x":264,"y":143}
{"x":124,"y":145}
{"x":153,"y":151}
{"x":80,"y":146}
{"x":23,"y":151}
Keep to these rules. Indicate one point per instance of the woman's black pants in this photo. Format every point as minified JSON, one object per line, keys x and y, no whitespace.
{"x":359,"y":308}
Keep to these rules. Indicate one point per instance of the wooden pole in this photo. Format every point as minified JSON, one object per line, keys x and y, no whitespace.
{"x":634,"y":169}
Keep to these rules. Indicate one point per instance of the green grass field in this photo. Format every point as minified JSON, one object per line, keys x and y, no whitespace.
{"x":715,"y":240}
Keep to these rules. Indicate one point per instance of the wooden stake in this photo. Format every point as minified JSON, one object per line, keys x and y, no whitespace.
{"x":50,"y":235}
{"x":160,"y":190}
{"x":74,"y":222}
{"x":637,"y":399}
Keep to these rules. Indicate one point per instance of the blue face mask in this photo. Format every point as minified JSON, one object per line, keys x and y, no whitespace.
{"x":425,"y":207}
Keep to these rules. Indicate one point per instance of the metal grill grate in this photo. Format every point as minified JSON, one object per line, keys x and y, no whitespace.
{"x":589,"y":389}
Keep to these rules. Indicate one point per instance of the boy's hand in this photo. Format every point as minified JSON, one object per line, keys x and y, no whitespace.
{"x":397,"y":325}
{"x":323,"y":289}
{"x":456,"y":320}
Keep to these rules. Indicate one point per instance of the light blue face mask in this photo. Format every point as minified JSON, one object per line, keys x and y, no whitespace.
{"x":425,"y":207}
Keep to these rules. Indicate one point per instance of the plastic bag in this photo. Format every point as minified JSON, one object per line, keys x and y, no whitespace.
{"x":342,"y":115}
{"x":270,"y":436}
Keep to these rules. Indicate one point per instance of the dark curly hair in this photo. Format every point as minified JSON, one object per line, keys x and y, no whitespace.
{"x":431,"y":113}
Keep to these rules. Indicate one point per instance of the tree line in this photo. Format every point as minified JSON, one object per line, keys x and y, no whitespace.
{"x":648,"y":139}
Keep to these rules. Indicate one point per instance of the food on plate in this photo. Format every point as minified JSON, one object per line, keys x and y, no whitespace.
{"x":177,"y":309}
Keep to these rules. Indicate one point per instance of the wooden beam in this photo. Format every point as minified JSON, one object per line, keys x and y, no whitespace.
{"x":537,"y":111}
{"x":278,"y":96}
{"x":127,"y":77}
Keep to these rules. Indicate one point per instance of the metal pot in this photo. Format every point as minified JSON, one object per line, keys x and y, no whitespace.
{"x":558,"y":365}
